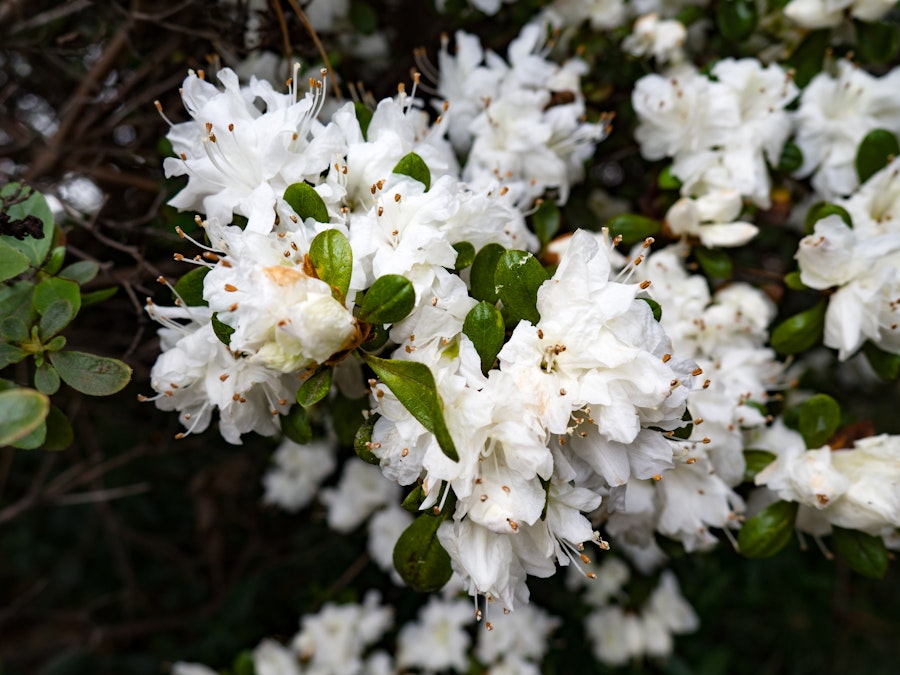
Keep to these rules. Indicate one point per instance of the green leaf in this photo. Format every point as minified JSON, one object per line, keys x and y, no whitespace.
{"x":56,"y":317}
{"x":800,"y":332}
{"x":21,"y":412}
{"x":222,"y":330}
{"x":876,"y":41}
{"x":363,"y":439}
{"x":46,"y":379}
{"x":465,"y":255}
{"x":792,"y":280}
{"x":306,"y":202}
{"x":33,"y":439}
{"x":59,"y":430}
{"x":17,"y":299}
{"x":80,"y":272}
{"x":35,"y":205}
{"x":55,"y":260}
{"x":363,"y":17}
{"x":332,"y":259}
{"x":769,"y":531}
{"x":190,"y":287}
{"x":414,"y":499}
{"x":791,"y":158}
{"x":755,"y":461}
{"x":546,"y":221}
{"x":632,"y":227}
{"x":13,"y":329}
{"x":715,"y":263}
{"x":808,"y":57}
{"x":518,"y":277}
{"x":55,"y":344}
{"x":819,"y":417}
{"x":887,"y":365}
{"x":484,"y":327}
{"x":415,"y":167}
{"x":667,"y":180}
{"x":389,"y":300}
{"x":419,"y":557}
{"x":821,"y":210}
{"x":295,"y":425}
{"x":737,"y":19}
{"x":363,"y":116}
{"x":875,"y":152}
{"x":655,"y":307}
{"x":484,"y":267}
{"x":90,"y":374}
{"x":378,"y":337}
{"x":92,"y":298}
{"x":12,"y":261}
{"x":243,"y":664}
{"x":865,"y":553}
{"x":316,"y":386}
{"x":413,"y":385}
{"x":53,"y":289}
{"x":10,"y":354}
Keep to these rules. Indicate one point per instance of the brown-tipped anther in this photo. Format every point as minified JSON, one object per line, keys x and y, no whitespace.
{"x":666,"y":358}
{"x":696,"y":372}
{"x":645,"y":285}
{"x":230,"y":288}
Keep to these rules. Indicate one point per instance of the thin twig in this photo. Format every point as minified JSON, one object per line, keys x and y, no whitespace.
{"x":102,"y":495}
{"x":298,"y":10}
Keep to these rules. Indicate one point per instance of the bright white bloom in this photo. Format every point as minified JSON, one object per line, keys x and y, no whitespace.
{"x":712,"y":218}
{"x":617,"y":636}
{"x":661,"y":39}
{"x":361,"y":490}
{"x":602,"y":14}
{"x":272,"y":658}
{"x":438,"y":639}
{"x":830,"y":13}
{"x":522,"y":634}
{"x":299,"y":470}
{"x":607,"y":583}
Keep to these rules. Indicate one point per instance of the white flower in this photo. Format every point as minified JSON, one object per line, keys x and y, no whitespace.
{"x":298,"y":472}
{"x":361,"y":490}
{"x":830,"y":13}
{"x":522,"y":634}
{"x":712,"y":218}
{"x":437,"y":640}
{"x":271,"y":658}
{"x":617,"y":637}
{"x":650,"y":36}
{"x":385,"y":528}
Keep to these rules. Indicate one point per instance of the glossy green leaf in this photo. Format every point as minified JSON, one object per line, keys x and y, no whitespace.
{"x":316,"y":386}
{"x":715,"y":263}
{"x":46,"y":379}
{"x":818,"y":418}
{"x":222,"y":330}
{"x":59,"y":434}
{"x":52,"y":289}
{"x":22,"y":411}
{"x":295,"y":425}
{"x":821,"y":210}
{"x":755,"y":461}
{"x":389,"y":300}
{"x":363,"y":439}
{"x":378,"y":337}
{"x":792,"y":280}
{"x":306,"y":202}
{"x":413,"y":385}
{"x":632,"y":227}
{"x":800,"y":332}
{"x":190,"y":287}
{"x":12,"y":261}
{"x":92,"y":298}
{"x":518,"y":277}
{"x":414,"y":499}
{"x":465,"y":255}
{"x":363,"y":116}
{"x":419,"y":557}
{"x":791,"y":158}
{"x":865,"y":553}
{"x":769,"y":531}
{"x":874,"y":152}
{"x":485,"y":328}
{"x":808,"y":57}
{"x":737,"y":19}
{"x":80,"y":272}
{"x":484,"y":267}
{"x":35,"y":250}
{"x":415,"y":167}
{"x":877,"y":41}
{"x":332,"y":259}
{"x":887,"y":365}
{"x":56,"y":317}
{"x":546,"y":221}
{"x":90,"y":374}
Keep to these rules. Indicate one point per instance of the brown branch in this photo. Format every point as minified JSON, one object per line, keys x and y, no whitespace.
{"x":298,"y":10}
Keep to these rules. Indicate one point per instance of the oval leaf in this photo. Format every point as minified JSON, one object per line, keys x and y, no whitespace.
{"x":632,"y":227}
{"x":737,"y":19}
{"x":81,"y":272}
{"x":874,"y":153}
{"x":415,"y":167}
{"x":12,"y":262}
{"x":419,"y":558}
{"x":13,"y":329}
{"x":821,"y":210}
{"x":413,"y":385}
{"x":545,"y":221}
{"x":518,"y":277}
{"x":807,"y":59}
{"x":332,"y":259}
{"x":22,"y":411}
{"x":56,"y":317}
{"x":887,"y":365}
{"x":768,"y":531}
{"x":10,"y":354}
{"x":59,"y":430}
{"x":316,"y":386}
{"x":295,"y":425}
{"x":714,"y":262}
{"x":53,"y":289}
{"x":877,"y":41}
{"x":465,"y":255}
{"x":190,"y":287}
{"x":800,"y":332}
{"x":818,"y":419}
{"x":90,"y":374}
{"x":865,"y":553}
{"x":791,"y":158}
{"x":389,"y":300}
{"x":484,"y":327}
{"x":363,"y":439}
{"x":481,"y":277}
{"x":306,"y":202}
{"x":755,"y":461}
{"x":46,"y":379}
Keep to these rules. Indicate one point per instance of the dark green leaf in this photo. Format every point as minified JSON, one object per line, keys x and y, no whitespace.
{"x":737,"y":19}
{"x":819,"y":418}
{"x":363,"y":116}
{"x":363,"y":18}
{"x":316,"y":386}
{"x":90,"y":374}
{"x":332,"y":259}
{"x":415,"y":167}
{"x":465,"y":255}
{"x":792,"y":280}
{"x":92,"y":298}
{"x":755,"y":461}
{"x":419,"y":557}
{"x":791,"y":158}
{"x":769,"y":531}
{"x":222,"y":330}
{"x":295,"y":425}
{"x":56,"y":317}
{"x":715,"y":263}
{"x":876,"y":150}
{"x":667,"y":180}
{"x":80,"y":272}
{"x":12,"y":261}
{"x":21,"y":412}
{"x":190,"y":287}
{"x":481,"y":277}
{"x":53,"y":289}
{"x":414,"y":499}
{"x":545,"y":221}
{"x":10,"y":354}
{"x":887,"y":365}
{"x":35,"y":205}
{"x":17,"y":299}
{"x":865,"y":553}
{"x":632,"y":227}
{"x":876,"y":41}
{"x":413,"y":385}
{"x":243,"y":664}
{"x":808,"y":57}
{"x":484,"y":327}
{"x":34,"y":439}
{"x":655,"y":307}
{"x":518,"y":277}
{"x":362,"y":441}
{"x":378,"y":337}
{"x":800,"y":332}
{"x":59,"y":430}
{"x":46,"y":379}
{"x":55,"y":260}
{"x":306,"y":202}
{"x":389,"y":300}
{"x":821,"y":210}
{"x":13,"y":329}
